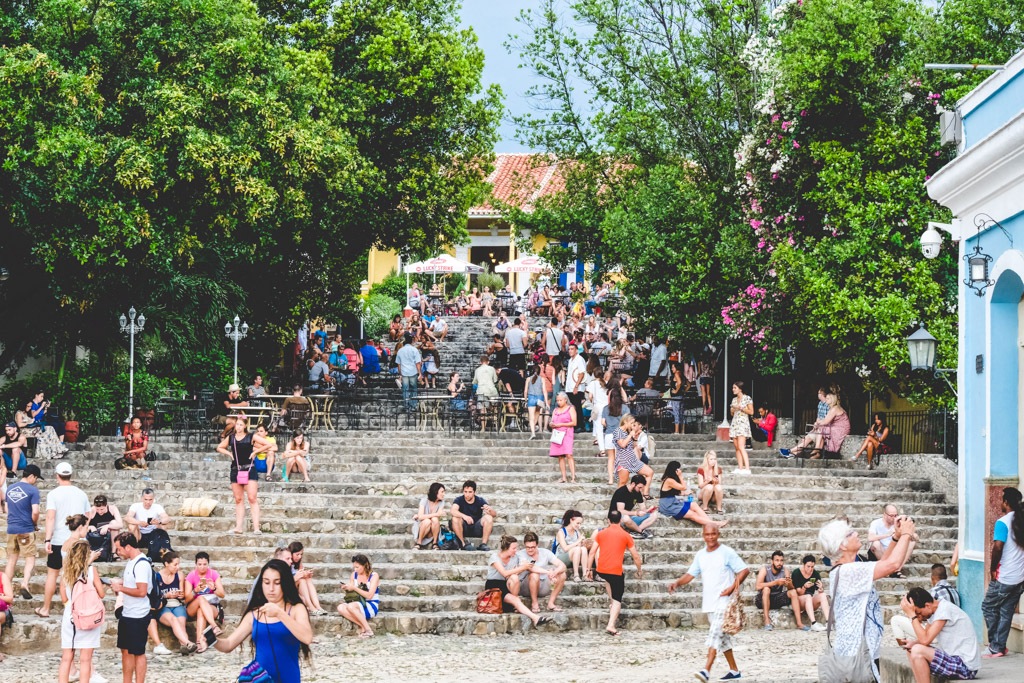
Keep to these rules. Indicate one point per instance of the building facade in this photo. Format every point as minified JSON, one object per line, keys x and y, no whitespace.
{"x":984,"y":188}
{"x":517,"y":179}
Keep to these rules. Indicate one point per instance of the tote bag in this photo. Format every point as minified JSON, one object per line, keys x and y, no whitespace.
{"x":834,"y":668}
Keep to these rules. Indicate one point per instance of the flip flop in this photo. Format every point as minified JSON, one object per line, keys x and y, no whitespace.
{"x":543,"y":620}
{"x":612,"y":633}
{"x":39,"y":613}
{"x":555,"y":609}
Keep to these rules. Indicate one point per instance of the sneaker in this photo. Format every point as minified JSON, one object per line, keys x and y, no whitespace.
{"x":767,"y":627}
{"x":701,"y":676}
{"x":731,"y":676}
{"x":483,"y":547}
{"x":647,"y":534}
{"x":637,"y":534}
{"x":188,"y":648}
{"x":737,"y":471}
{"x":469,"y":546}
{"x":96,"y":678}
{"x":146,"y":477}
{"x":816,"y":627}
{"x":785,"y":453}
{"x":161,"y":650}
{"x":805,"y":628}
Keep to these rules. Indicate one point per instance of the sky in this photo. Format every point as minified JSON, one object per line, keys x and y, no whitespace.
{"x":493,"y":21}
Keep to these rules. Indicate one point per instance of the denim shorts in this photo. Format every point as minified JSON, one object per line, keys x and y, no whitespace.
{"x":178,"y":611}
{"x":534,"y":401}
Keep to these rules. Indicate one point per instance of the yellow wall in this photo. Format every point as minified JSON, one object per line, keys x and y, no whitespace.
{"x":380,"y":265}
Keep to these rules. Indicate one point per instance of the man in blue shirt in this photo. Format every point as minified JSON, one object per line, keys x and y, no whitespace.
{"x":371,"y":359}
{"x":22,"y":517}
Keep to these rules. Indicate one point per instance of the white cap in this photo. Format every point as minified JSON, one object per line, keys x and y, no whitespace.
{"x":63,"y":469}
{"x":234,"y":387}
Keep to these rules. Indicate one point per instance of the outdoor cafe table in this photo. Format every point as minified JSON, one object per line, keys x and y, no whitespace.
{"x":319,"y":407}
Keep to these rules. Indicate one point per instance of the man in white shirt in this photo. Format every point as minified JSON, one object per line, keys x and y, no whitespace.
{"x":659,"y":362}
{"x":554,"y":339}
{"x":547,"y":573}
{"x":515,"y":340}
{"x":1006,"y":573}
{"x":880,"y":534}
{"x":62,"y":502}
{"x":144,"y":517}
{"x":133,"y":623}
{"x":410,"y":363}
{"x":439,"y":328}
{"x":575,"y":378}
{"x":723,"y":572}
{"x":943,"y":643}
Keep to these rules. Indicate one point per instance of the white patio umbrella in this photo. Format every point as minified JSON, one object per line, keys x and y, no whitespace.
{"x":442,"y":265}
{"x":525,"y":264}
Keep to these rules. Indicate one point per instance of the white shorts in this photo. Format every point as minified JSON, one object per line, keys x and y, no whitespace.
{"x":609,"y":442}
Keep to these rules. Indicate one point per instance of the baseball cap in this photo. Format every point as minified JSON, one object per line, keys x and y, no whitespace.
{"x":64,"y":469}
{"x":12,"y":424}
{"x":32,"y":470}
{"x":234,"y":387}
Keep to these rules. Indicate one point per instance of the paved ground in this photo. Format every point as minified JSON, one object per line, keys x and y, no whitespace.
{"x":646,"y":656}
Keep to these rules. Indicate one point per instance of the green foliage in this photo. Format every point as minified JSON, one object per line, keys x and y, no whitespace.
{"x":378,"y":311}
{"x":218,"y":157}
{"x":489,"y":279}
{"x":393,"y":287}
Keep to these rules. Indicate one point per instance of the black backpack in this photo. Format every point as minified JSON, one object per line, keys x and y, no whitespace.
{"x":156,"y":598}
{"x":159,"y":544}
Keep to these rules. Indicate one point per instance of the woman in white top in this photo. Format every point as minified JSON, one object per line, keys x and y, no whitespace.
{"x":597,"y":392}
{"x":78,"y":574}
{"x":426,"y":523}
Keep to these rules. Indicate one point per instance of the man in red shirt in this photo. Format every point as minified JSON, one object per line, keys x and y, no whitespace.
{"x":610,"y":544}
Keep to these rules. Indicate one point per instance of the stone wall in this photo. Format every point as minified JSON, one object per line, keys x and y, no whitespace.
{"x":941,"y":471}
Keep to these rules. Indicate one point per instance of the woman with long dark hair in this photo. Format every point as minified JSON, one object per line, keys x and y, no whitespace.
{"x":536,"y":397}
{"x":277,"y":622}
{"x":610,"y":417}
{"x":878,"y":432}
{"x":426,"y":523}
{"x":741,"y":408}
{"x":676,"y":498}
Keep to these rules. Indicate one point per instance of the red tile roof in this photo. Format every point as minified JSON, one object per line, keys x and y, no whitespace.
{"x":520,"y":179}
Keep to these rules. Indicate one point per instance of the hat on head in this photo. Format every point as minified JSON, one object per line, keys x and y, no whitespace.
{"x":234,"y":387}
{"x":32,"y":471}
{"x":12,"y":424}
{"x":64,"y":469}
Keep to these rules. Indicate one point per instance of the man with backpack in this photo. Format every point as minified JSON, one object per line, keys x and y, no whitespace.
{"x":135,"y":612}
{"x":148,"y":521}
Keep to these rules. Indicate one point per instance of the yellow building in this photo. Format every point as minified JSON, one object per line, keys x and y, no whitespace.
{"x":517,"y":179}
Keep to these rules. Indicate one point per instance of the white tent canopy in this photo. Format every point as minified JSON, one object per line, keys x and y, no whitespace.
{"x":525,"y":264}
{"x":442,"y":265}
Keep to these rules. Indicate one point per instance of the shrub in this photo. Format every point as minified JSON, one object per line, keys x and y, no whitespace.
{"x":378,"y":311}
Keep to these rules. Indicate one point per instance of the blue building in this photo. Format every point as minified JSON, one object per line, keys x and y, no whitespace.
{"x":984,"y":188}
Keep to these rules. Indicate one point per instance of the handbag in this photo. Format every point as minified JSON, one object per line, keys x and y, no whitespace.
{"x":557,"y":437}
{"x":241,"y":476}
{"x":489,"y":601}
{"x":833,"y":668}
{"x":733,"y":621}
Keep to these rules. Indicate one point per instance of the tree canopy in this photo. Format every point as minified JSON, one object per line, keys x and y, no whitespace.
{"x":202,"y":158}
{"x":756,"y":169}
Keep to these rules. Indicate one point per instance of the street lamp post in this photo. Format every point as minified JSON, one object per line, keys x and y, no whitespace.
{"x":235,"y":333}
{"x":131,"y":325}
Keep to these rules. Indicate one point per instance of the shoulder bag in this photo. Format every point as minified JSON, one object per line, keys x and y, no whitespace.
{"x":833,"y":668}
{"x":489,"y":601}
{"x":253,"y":672}
{"x":241,"y":476}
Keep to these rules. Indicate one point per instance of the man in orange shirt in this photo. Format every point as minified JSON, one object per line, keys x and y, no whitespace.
{"x":610,"y":544}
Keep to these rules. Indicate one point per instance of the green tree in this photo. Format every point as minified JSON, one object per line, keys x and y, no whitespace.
{"x":205,"y":158}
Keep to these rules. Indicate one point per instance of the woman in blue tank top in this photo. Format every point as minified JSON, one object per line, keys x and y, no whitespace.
{"x":278,"y":623}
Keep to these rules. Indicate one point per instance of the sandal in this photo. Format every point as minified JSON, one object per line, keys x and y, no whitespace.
{"x":544,"y":620}
{"x":38,"y":611}
{"x":815,"y":454}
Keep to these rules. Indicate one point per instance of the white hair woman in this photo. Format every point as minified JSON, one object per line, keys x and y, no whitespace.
{"x":855,"y":603}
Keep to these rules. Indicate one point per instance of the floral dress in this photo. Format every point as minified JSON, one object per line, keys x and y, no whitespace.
{"x":740,"y":425}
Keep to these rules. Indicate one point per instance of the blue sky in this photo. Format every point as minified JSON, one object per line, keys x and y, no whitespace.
{"x":493,"y":21}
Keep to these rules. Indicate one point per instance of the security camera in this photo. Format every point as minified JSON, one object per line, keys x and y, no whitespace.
{"x":931,"y":240}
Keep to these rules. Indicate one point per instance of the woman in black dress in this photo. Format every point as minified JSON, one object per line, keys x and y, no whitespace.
{"x":241,"y":447}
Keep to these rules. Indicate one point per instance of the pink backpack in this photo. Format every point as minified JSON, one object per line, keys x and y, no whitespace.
{"x":87,"y":610}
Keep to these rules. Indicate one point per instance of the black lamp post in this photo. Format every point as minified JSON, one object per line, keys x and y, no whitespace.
{"x":922,"y":347}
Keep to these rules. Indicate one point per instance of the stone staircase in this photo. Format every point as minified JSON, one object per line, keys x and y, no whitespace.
{"x":367,"y":486}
